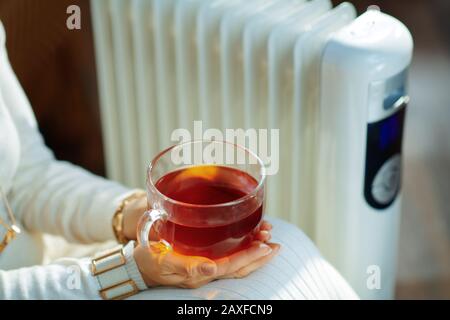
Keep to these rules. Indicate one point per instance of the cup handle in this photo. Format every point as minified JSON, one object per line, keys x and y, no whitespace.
{"x":145,"y":225}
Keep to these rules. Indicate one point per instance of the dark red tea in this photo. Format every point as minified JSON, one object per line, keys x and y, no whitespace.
{"x":201,"y":229}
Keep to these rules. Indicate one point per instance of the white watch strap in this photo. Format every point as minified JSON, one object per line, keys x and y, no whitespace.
{"x":131,"y":266}
{"x":117,"y":273}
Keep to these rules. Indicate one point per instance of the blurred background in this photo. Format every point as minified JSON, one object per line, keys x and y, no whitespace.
{"x":56,"y":67}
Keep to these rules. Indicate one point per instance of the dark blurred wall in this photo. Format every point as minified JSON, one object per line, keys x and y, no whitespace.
{"x":410,"y":12}
{"x":56,"y":67}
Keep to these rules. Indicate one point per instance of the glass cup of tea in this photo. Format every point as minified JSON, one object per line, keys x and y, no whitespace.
{"x":205,"y":198}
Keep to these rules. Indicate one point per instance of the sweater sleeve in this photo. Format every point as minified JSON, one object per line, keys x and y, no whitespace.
{"x":48,"y":195}
{"x":64,"y":279}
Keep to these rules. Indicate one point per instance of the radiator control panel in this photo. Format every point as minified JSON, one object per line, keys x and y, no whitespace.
{"x":384,"y":141}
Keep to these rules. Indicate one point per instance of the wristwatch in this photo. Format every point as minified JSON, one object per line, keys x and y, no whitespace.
{"x":117,"y":273}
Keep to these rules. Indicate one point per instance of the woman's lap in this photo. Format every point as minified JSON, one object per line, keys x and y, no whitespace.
{"x":297,"y":272}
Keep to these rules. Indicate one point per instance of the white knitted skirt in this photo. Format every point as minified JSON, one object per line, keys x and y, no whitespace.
{"x":297,"y":272}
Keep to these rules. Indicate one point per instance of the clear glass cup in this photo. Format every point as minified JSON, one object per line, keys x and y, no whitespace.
{"x":221,"y":186}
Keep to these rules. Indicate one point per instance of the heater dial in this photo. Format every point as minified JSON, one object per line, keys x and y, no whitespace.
{"x":387,"y":180}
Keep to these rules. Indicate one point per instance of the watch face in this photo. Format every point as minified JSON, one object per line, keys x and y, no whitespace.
{"x":383,"y":160}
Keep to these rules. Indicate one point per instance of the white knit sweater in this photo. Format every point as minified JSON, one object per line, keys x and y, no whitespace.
{"x":57,"y":198}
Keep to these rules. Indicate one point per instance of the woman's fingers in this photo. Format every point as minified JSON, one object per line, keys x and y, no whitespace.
{"x":263,"y":236}
{"x":191,"y":266}
{"x":162,"y":266}
{"x":265,"y":225}
{"x":189,"y":271}
{"x":238,"y":260}
{"x":263,"y":232}
{"x":245,"y":271}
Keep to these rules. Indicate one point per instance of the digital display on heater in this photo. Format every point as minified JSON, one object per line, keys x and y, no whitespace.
{"x":388,"y":133}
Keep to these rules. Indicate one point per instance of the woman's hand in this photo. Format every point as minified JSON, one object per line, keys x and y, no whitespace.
{"x":134,"y":210}
{"x":162,"y":267}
